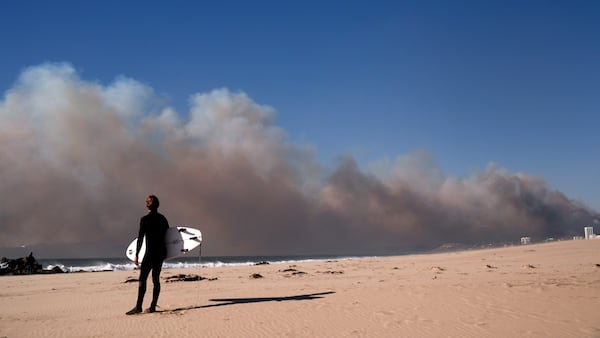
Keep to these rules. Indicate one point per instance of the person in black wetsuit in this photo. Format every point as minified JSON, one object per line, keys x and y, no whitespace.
{"x":154,"y":226}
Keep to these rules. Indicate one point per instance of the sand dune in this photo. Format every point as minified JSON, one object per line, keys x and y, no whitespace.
{"x":542,"y":290}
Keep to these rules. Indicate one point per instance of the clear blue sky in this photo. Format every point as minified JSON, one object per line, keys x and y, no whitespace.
{"x":516,"y":83}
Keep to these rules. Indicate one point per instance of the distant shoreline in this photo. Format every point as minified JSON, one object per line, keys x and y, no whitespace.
{"x":190,"y":261}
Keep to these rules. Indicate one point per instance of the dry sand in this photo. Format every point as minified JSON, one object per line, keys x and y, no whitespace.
{"x":543,"y":290}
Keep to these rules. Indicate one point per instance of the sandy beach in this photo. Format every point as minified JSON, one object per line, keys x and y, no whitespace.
{"x":540,"y":290}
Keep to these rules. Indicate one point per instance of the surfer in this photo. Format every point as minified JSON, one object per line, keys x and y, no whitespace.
{"x":154,"y":226}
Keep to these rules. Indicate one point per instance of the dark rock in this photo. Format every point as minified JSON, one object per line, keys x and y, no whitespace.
{"x":56,"y":269}
{"x":20,"y":266}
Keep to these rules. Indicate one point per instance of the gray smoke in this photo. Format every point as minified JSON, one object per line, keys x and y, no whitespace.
{"x":78,"y":158}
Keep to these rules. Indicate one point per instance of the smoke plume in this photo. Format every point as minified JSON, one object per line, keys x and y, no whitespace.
{"x":77,"y":159}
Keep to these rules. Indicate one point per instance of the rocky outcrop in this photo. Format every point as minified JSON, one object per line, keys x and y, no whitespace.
{"x":24,"y":266}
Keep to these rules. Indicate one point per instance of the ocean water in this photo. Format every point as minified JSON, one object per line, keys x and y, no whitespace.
{"x":183,"y":262}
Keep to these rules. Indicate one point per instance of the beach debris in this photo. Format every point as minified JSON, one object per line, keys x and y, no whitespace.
{"x":529,"y":266}
{"x":256,"y":275}
{"x":131,"y":280}
{"x":288,"y":270}
{"x":298,"y":273}
{"x":332,"y":272}
{"x":491,"y":267}
{"x":437,"y":269}
{"x":262,"y":263}
{"x":184,"y":278}
{"x":598,"y":265}
{"x":293,"y":272}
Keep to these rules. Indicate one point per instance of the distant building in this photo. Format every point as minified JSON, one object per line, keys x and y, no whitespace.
{"x":525,"y":240}
{"x":589,"y":232}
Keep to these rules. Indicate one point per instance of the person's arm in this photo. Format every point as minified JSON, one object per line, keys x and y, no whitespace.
{"x":140,"y":241}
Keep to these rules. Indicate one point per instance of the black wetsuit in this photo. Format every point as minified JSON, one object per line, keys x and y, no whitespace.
{"x":154,"y":226}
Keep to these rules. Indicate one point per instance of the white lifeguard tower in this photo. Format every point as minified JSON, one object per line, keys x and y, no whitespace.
{"x":588,"y":233}
{"x":525,"y":240}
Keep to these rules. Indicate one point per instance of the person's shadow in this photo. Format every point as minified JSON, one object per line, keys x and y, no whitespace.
{"x":234,"y":301}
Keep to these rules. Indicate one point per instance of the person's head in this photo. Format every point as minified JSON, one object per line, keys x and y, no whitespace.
{"x":152,"y":202}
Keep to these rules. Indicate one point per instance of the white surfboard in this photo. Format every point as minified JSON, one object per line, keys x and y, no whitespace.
{"x":179,"y":240}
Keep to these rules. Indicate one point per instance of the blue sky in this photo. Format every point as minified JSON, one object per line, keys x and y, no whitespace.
{"x":516,"y":83}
